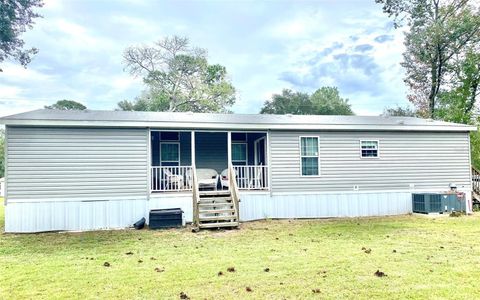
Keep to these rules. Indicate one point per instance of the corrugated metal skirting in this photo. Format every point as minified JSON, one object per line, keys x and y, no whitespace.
{"x":75,"y":215}
{"x":94,"y":215}
{"x":261,"y":206}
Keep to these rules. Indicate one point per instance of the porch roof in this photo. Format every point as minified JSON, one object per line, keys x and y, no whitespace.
{"x":188,"y":120}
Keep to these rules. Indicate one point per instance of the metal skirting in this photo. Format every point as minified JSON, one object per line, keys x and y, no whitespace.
{"x":72,"y":215}
{"x":258,"y":206}
{"x":94,"y":215}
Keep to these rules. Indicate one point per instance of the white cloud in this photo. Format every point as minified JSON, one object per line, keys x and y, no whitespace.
{"x":81,"y":45}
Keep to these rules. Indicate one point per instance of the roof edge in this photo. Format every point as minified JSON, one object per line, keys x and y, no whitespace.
{"x":236,"y":126}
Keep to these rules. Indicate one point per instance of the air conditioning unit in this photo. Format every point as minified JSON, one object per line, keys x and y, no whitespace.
{"x":438,"y":202}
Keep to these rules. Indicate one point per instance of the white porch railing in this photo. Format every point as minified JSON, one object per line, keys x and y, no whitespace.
{"x":252,"y":177}
{"x":171,"y":179}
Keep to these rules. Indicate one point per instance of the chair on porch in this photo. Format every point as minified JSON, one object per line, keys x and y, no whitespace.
{"x":224,"y":178}
{"x":173,"y":181}
{"x":257,"y":178}
{"x":207,"y":178}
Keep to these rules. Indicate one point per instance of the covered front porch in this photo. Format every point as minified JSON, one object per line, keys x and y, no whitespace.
{"x":175,"y":155}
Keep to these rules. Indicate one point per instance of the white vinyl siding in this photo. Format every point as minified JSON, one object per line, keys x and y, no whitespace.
{"x":427,"y":160}
{"x":76,"y":163}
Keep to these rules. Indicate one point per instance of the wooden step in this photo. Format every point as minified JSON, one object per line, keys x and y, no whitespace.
{"x":216,"y":211}
{"x":218,"y":225}
{"x":217,"y":218}
{"x":217,"y":199}
{"x":213,"y":193}
{"x":475,"y":196}
{"x":223,"y":205}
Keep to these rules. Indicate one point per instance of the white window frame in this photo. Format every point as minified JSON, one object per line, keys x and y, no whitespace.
{"x":246,"y":152}
{"x":378,"y":149}
{"x":169,"y":161}
{"x":300,"y":154}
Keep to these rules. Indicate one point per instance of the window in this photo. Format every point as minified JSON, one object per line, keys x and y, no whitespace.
{"x":309,"y":156}
{"x":170,"y":154}
{"x":239,"y":154}
{"x":369,"y":149}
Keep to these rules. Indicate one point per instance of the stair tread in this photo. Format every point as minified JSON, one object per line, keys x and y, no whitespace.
{"x":216,"y":211}
{"x":216,"y":199}
{"x":217,"y":225}
{"x":217,"y":218}
{"x":213,"y":193}
{"x":215,"y":204}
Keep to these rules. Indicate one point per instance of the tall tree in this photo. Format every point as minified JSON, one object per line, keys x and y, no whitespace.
{"x":16,"y":16}
{"x":398,"y":111}
{"x":288,"y":102}
{"x":439,"y":36}
{"x":324,"y":101}
{"x":327,"y":101}
{"x":178,"y":78}
{"x":67,"y":105}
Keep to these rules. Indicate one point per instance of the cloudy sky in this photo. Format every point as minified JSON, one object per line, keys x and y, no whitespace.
{"x":266,"y":46}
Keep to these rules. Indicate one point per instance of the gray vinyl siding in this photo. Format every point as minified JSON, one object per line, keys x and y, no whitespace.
{"x":429,"y":160}
{"x":76,"y":163}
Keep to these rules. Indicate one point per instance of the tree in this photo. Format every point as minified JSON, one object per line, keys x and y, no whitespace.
{"x":178,"y":78}
{"x":289,"y":102}
{"x":327,"y":101}
{"x":398,"y":111}
{"x":458,"y":104}
{"x":16,"y":16}
{"x":439,"y":36}
{"x":67,"y":105}
{"x":2,"y":153}
{"x":324,"y":101}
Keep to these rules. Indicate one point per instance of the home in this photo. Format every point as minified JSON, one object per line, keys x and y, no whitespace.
{"x":87,"y":170}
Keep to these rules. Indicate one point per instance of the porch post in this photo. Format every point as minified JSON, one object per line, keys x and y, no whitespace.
{"x":229,"y":146}
{"x":192,"y":147}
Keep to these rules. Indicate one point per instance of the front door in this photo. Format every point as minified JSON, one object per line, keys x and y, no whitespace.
{"x":260,"y":152}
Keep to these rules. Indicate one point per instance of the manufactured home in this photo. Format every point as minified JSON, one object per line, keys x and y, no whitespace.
{"x":87,"y":170}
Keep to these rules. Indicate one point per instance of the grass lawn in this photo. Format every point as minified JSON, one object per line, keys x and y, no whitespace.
{"x":422,"y":258}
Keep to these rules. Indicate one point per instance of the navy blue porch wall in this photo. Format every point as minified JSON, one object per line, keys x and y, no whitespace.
{"x":210,"y":151}
{"x":185,"y":150}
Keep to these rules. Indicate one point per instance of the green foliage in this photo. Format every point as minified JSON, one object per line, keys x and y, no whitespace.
{"x":324,"y":101}
{"x":440,"y":35}
{"x":399,"y":111}
{"x":475,"y":148}
{"x":67,"y":105}
{"x":2,"y":153}
{"x":178,"y":78}
{"x":458,"y":104}
{"x":289,"y":102}
{"x":16,"y":16}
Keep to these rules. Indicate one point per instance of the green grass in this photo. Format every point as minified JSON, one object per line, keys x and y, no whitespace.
{"x":434,"y":258}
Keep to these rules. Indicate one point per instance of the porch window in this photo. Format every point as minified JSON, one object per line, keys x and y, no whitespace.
{"x":369,"y":149}
{"x":309,"y":156}
{"x":170,"y":154}
{"x":239,"y":154}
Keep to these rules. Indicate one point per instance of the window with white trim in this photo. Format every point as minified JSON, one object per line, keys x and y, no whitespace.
{"x":239,"y":154}
{"x":309,"y":156}
{"x":369,"y":149}
{"x":169,"y":154}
